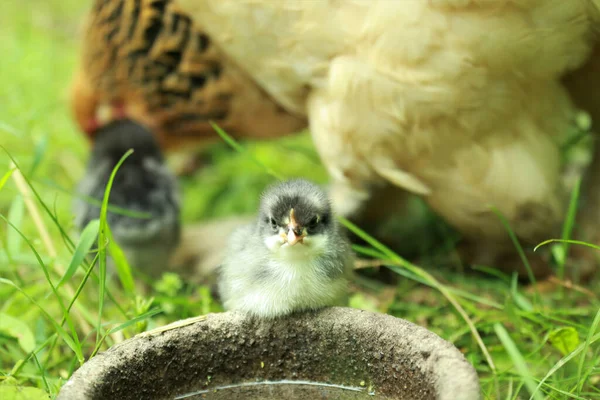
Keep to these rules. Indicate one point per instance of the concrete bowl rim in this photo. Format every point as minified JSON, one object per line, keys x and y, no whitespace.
{"x":452,"y":362}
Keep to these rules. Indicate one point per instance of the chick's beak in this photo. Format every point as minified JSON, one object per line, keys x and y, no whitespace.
{"x":295,"y":233}
{"x":293,"y":238}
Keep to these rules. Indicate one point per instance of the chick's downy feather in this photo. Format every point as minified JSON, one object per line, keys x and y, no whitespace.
{"x":266,"y":276}
{"x":456,"y":100}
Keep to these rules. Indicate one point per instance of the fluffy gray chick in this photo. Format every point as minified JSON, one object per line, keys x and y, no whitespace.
{"x":292,"y":257}
{"x":143,"y":183}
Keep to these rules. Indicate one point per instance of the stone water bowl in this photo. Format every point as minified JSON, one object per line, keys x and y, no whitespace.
{"x":334,"y":353}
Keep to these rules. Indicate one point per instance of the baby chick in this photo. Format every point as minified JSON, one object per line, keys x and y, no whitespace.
{"x":143,"y":184}
{"x":293,"y":257}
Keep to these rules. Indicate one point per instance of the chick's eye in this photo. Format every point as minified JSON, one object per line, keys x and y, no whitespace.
{"x":273,"y":223}
{"x":313,"y":222}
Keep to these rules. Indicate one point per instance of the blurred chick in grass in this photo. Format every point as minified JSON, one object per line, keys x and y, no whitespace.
{"x":143,"y":184}
{"x":292,"y":257}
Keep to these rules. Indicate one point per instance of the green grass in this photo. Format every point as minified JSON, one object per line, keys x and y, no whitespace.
{"x":57,"y":307}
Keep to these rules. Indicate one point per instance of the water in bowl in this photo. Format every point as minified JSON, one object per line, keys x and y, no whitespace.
{"x":297,"y":390}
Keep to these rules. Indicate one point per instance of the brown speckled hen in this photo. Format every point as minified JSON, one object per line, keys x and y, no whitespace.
{"x":148,"y":60}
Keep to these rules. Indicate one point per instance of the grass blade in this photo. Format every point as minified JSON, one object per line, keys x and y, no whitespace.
{"x":88,"y":238}
{"x":40,"y":151}
{"x":42,"y":372}
{"x":579,"y":242}
{"x":76,"y":295}
{"x":121,"y":264}
{"x":103,"y":240}
{"x":568,"y":225}
{"x":95,"y":202}
{"x":586,"y":345}
{"x":236,"y":146}
{"x":82,"y":284}
{"x":10,"y":129}
{"x":520,"y":250}
{"x":457,"y":292}
{"x":6,"y":177}
{"x":521,"y":301}
{"x":139,"y":318}
{"x":518,"y":360}
{"x":367,"y":251}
